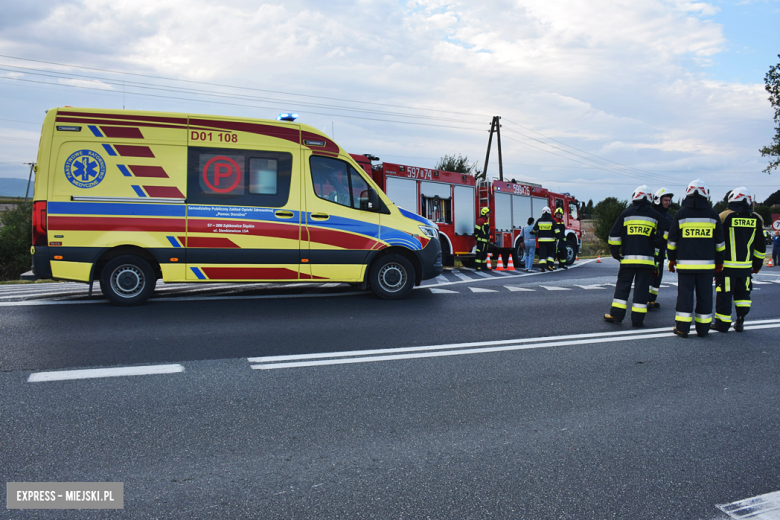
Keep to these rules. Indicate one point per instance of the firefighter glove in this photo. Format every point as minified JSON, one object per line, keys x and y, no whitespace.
{"x":718,"y":268}
{"x":672,"y":263}
{"x":617,"y":257}
{"x":756,"y":270}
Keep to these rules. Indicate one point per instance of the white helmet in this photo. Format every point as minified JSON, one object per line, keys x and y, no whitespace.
{"x":698,"y":186}
{"x":661,"y":193}
{"x":546,"y":209}
{"x":741,"y":194}
{"x":642,"y":192}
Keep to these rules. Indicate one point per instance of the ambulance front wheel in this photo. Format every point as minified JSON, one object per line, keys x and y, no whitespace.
{"x":392,"y":277}
{"x":127,"y":280}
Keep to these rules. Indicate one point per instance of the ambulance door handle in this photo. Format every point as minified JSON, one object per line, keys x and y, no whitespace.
{"x":320,"y":216}
{"x":284,"y":214}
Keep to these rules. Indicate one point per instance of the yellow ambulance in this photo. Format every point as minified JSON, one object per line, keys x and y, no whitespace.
{"x":129,"y":197}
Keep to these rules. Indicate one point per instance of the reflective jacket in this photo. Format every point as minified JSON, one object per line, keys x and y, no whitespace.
{"x":560,"y":233}
{"x":664,"y":224}
{"x":482,"y":229}
{"x":637,"y":235}
{"x":696,"y":239}
{"x":745,"y":245}
{"x":545,"y":229}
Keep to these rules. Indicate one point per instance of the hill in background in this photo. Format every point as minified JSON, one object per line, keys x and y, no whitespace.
{"x":14,"y":187}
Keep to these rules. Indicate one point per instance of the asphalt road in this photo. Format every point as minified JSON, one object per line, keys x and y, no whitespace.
{"x":312,"y":402}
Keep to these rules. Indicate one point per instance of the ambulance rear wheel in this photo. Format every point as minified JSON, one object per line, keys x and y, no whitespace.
{"x":392,"y":277}
{"x":127,"y":280}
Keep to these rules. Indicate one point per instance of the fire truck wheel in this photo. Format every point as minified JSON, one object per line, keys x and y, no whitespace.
{"x":571,"y":250}
{"x":392,"y":277}
{"x":519,"y":254}
{"x":127,"y":280}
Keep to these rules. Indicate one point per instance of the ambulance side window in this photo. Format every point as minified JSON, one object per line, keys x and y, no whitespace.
{"x":337,"y":181}
{"x":222,"y":176}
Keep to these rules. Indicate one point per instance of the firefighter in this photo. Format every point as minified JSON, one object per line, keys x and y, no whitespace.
{"x":696,"y":249}
{"x":482,"y":234}
{"x":744,"y":255}
{"x":637,"y":235}
{"x":561,"y":227}
{"x":661,"y":201}
{"x":547,"y":236}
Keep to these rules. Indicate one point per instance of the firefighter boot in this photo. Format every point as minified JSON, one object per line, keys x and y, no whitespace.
{"x":680,"y":333}
{"x":739,"y":325}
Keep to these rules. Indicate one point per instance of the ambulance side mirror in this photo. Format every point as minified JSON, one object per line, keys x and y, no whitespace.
{"x":373,"y":200}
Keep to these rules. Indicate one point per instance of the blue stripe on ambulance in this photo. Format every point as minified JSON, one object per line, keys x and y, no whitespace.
{"x":96,"y":131}
{"x":139,"y":191}
{"x":124,"y":170}
{"x":109,"y":149}
{"x":198,"y":273}
{"x":174,"y":242}
{"x":117,"y":209}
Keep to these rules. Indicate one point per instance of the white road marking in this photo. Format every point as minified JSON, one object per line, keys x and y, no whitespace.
{"x":518,"y":289}
{"x":554,"y":288}
{"x":483,"y":274}
{"x":454,"y":349}
{"x":64,"y":375}
{"x":480,"y":290}
{"x":441,"y":279}
{"x":756,"y":282}
{"x":762,"y":507}
{"x":590,"y":287}
{"x":443,"y":291}
{"x":462,"y":276}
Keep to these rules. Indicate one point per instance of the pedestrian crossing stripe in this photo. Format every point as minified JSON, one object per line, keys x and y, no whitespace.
{"x":518,"y":289}
{"x":553,"y":288}
{"x":434,"y":290}
{"x":480,"y":290}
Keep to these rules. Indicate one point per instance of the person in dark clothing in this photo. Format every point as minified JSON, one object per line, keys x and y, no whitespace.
{"x":696,"y":249}
{"x":482,"y":234}
{"x":637,"y":235}
{"x":661,"y":201}
{"x":547,"y":236}
{"x":775,"y":247}
{"x":744,"y":256}
{"x":561,"y":246}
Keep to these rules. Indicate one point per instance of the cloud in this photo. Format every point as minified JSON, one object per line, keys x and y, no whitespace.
{"x":625,"y":80}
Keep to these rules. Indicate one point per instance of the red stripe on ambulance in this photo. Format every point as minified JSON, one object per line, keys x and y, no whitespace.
{"x":165,"y":192}
{"x":256,"y":273}
{"x":163,"y":225}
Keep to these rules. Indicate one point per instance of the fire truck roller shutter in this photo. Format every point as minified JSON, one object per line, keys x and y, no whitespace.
{"x":502,"y":220}
{"x":537,"y":203}
{"x":403,"y":193}
{"x":464,"y":210}
{"x":521,"y":210}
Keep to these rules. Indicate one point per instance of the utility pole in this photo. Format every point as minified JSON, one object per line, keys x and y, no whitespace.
{"x":29,"y":178}
{"x":495,"y":126}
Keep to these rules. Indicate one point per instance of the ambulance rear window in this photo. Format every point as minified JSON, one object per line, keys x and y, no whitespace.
{"x":238,"y":177}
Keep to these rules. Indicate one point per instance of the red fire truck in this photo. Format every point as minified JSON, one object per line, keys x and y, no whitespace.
{"x":453,"y":201}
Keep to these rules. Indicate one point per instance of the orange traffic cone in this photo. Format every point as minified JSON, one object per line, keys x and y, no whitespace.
{"x":500,"y":264}
{"x":598,"y":260}
{"x":770,"y":263}
{"x":510,"y":266}
{"x":488,"y":261}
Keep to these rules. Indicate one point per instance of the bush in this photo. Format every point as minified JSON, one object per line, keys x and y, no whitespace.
{"x":606,"y":213}
{"x":15,"y":240}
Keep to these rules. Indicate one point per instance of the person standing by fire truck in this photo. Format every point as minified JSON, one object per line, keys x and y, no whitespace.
{"x":482,"y":234}
{"x":529,"y":244}
{"x":661,"y":201}
{"x":634,"y":241}
{"x":561,"y":232}
{"x":547,"y":235}
{"x":745,"y":252}
{"x":696,"y":249}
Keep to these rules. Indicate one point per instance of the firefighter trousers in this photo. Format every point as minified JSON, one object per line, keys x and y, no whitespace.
{"x":655,"y":284}
{"x":562,"y":253}
{"x":546,"y":254}
{"x":687,"y":285}
{"x":639,"y":277}
{"x":479,"y":261}
{"x":728,"y":288}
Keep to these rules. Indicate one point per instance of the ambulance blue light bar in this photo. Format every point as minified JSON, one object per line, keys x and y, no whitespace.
{"x":287,"y":117}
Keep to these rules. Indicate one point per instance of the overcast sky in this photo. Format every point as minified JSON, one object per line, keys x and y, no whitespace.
{"x":596,"y":97}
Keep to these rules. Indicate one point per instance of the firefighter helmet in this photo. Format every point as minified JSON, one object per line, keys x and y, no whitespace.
{"x":546,"y":209}
{"x":698,"y":186}
{"x":484,"y":211}
{"x":558,"y":211}
{"x":642,"y":193}
{"x":741,"y":194}
{"x":661,"y":193}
